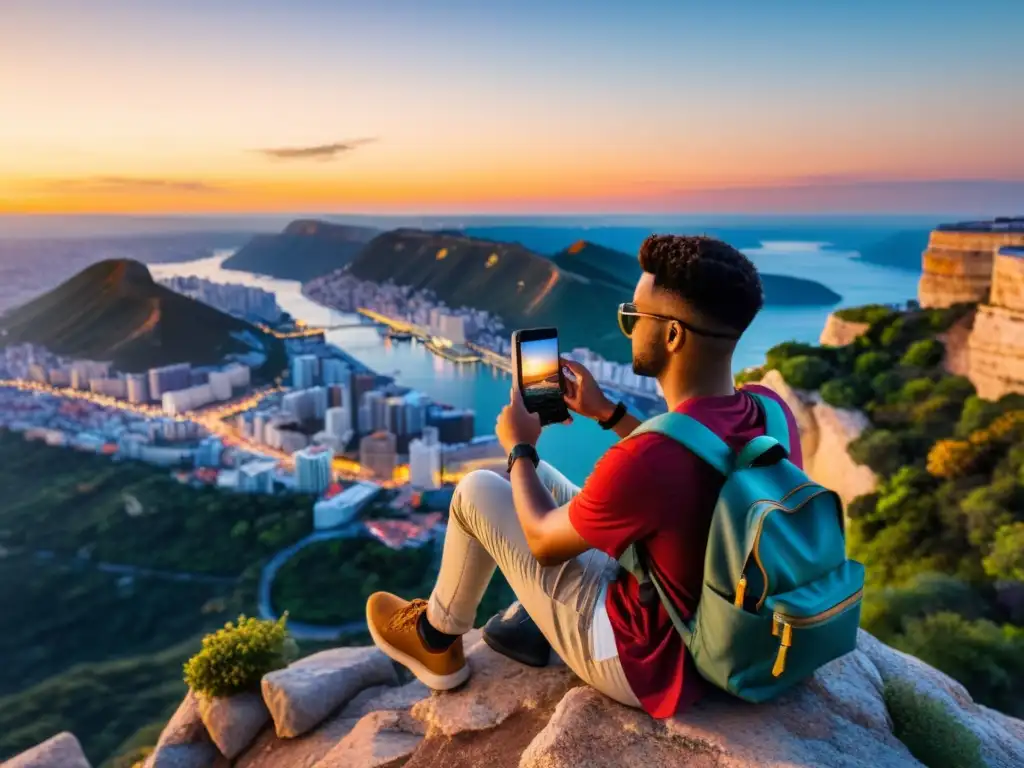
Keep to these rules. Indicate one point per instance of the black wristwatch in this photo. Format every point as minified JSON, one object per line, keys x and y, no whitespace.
{"x":521,"y":450}
{"x":615,"y":418}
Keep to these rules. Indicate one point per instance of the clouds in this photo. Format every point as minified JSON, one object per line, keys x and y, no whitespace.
{"x":133,"y":184}
{"x":322,"y":152}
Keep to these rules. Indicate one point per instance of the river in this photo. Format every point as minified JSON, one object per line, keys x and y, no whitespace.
{"x":573,"y":448}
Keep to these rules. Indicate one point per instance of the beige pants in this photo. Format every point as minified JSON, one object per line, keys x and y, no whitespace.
{"x":484,"y":532}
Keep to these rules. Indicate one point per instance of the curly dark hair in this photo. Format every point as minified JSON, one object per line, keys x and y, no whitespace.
{"x":714,"y":278}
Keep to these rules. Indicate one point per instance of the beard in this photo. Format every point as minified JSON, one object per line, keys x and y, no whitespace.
{"x":650,"y":362}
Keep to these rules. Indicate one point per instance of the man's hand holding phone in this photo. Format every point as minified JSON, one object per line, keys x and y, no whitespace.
{"x":583,"y":395}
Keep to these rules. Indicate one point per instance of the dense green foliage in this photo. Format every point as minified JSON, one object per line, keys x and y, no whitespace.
{"x":328,"y":582}
{"x":950,"y":498}
{"x":235,"y":658}
{"x":931,"y":733}
{"x":868,"y":313}
{"x":200,"y":530}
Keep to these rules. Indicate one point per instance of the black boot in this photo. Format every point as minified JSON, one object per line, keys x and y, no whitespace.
{"x":513,"y":633}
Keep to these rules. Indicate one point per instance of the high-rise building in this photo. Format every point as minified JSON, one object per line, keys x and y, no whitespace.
{"x":60,"y":377}
{"x":416,"y":404}
{"x":394,"y":416}
{"x":424,"y":464}
{"x":337,"y":397}
{"x":257,"y":476}
{"x":299,"y":405}
{"x":208,"y":453}
{"x":169,"y":378}
{"x":220,"y":385}
{"x":337,"y":421}
{"x":319,"y":396}
{"x":361,"y":384}
{"x":364,"y":424}
{"x":304,"y":371}
{"x":238,"y":374}
{"x":37,"y":372}
{"x":454,"y":426}
{"x":378,"y":454}
{"x":376,"y":401}
{"x":313,"y":469}
{"x":334,"y":371}
{"x":117,"y":388}
{"x":138,"y":388}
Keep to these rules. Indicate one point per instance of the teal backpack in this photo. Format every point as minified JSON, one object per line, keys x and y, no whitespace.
{"x":780,"y":598}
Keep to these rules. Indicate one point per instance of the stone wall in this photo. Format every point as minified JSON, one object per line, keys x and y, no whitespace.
{"x":996,"y":343}
{"x":825,"y":434}
{"x":958,"y":266}
{"x":838,"y":332}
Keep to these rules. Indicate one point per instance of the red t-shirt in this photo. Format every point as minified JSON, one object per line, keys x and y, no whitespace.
{"x":652,"y":488}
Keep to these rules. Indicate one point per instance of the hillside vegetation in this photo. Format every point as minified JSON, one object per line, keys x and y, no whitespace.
{"x":943,"y":537}
{"x":619,"y":269}
{"x":522,"y":287}
{"x":112,"y":310}
{"x":304,"y":250}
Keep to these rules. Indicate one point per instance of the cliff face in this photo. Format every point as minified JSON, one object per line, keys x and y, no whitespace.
{"x":838,"y":332}
{"x":958,"y":265}
{"x":996,"y":343}
{"x":825,"y":433}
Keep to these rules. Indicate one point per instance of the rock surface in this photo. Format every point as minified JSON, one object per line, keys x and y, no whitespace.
{"x":511,"y":716}
{"x":184,"y":742}
{"x":302,"y":695}
{"x":60,"y":751}
{"x":838,"y":332}
{"x":233,"y":722}
{"x":825,"y":434}
{"x":957,"y":266}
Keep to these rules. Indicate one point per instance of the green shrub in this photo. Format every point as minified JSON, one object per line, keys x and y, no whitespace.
{"x":931,"y":733}
{"x":895,"y":334}
{"x":956,"y":387}
{"x":885,"y":612}
{"x":872,"y":363}
{"x":748,"y":375}
{"x":848,"y":392}
{"x":878,"y":449}
{"x":774,"y":357}
{"x":235,"y":658}
{"x":1006,"y":560}
{"x":887,"y":384}
{"x":924,"y":354}
{"x":804,"y":371}
{"x":915,"y":390}
{"x":869,"y":313}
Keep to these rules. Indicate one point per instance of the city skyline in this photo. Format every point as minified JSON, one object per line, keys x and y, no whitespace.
{"x":589,"y":107}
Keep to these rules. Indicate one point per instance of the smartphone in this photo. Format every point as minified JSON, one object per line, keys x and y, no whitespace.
{"x":538,"y":371}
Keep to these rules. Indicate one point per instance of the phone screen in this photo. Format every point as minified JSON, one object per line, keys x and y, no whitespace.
{"x":540,"y":376}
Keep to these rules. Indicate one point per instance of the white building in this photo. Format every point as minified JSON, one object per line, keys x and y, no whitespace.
{"x":306,"y":404}
{"x":238,"y":374}
{"x":304,"y":371}
{"x":138,"y":387}
{"x":425,"y":463}
{"x":220,"y":385}
{"x":183,"y":400}
{"x":337,"y":421}
{"x":256,"y":476}
{"x":343,"y":508}
{"x":117,"y":388}
{"x":313,"y":469}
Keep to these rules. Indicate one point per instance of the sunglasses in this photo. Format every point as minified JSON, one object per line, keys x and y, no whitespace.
{"x":629,"y":316}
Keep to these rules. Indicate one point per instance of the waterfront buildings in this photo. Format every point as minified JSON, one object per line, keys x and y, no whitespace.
{"x":425,"y":460}
{"x":343,"y":507}
{"x":313,"y":469}
{"x":378,"y":454}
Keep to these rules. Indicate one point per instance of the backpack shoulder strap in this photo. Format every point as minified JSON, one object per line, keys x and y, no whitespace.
{"x":692,"y":434}
{"x":775,"y":421}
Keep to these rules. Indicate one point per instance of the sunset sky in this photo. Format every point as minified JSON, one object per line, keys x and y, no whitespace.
{"x":423,"y":106}
{"x":539,"y":358}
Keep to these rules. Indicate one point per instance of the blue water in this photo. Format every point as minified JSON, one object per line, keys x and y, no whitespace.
{"x":778,"y":246}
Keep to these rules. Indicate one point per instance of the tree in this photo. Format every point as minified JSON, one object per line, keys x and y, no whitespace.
{"x":872,"y":363}
{"x":1006,"y":560}
{"x":879,"y":449}
{"x":924,"y":354}
{"x":952,"y":458}
{"x":804,"y":371}
{"x":775,"y":356}
{"x":886,"y":612}
{"x":988,"y":508}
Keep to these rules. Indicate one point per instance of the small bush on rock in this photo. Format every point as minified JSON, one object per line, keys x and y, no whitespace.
{"x":848,"y":392}
{"x":924,"y":354}
{"x":234,"y":659}
{"x":804,"y":371}
{"x":931,"y":733}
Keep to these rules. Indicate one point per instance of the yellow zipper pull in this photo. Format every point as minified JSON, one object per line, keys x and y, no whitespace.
{"x":741,"y":591}
{"x":784,"y":644}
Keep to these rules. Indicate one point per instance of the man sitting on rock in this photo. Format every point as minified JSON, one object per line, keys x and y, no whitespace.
{"x":557,"y":544}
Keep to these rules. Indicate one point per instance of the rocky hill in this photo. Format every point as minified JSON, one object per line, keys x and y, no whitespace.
{"x":304,"y":250}
{"x":113,"y":310}
{"x":348,"y":708}
{"x":522,"y":287}
{"x":616,"y":268}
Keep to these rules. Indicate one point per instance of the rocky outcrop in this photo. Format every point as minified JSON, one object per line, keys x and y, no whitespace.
{"x":825,"y":434}
{"x":509,"y":715}
{"x":958,"y":263}
{"x":60,"y":751}
{"x":838,"y":332}
{"x":996,"y":343}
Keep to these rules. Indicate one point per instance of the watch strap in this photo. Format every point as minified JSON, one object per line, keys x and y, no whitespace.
{"x":522,"y":450}
{"x":615,"y":418}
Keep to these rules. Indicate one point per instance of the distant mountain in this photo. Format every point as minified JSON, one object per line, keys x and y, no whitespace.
{"x":304,"y":250}
{"x":901,"y":250}
{"x":112,"y":310}
{"x":621,"y":270}
{"x":522,"y":287}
